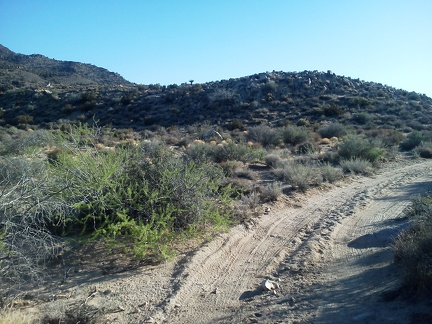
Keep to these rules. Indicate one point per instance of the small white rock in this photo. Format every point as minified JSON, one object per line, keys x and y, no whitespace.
{"x":269,"y":285}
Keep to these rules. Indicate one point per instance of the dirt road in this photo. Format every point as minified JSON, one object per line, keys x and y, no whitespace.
{"x":328,"y":252}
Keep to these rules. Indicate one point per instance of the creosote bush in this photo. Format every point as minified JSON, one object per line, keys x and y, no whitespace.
{"x":358,"y":147}
{"x":295,"y":135}
{"x":413,"y":140}
{"x":145,"y":194}
{"x":333,"y":130}
{"x":265,"y":135}
{"x":141,"y":196}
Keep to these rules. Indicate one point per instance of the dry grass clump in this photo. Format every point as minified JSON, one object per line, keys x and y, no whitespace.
{"x":16,"y":316}
{"x":325,"y":141}
{"x":298,"y":175}
{"x":356,"y":166}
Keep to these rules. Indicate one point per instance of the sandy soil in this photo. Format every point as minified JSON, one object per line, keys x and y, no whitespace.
{"x":328,"y":253}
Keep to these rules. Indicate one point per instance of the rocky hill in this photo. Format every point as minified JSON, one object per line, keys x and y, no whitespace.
{"x":36,"y":70}
{"x":82,"y":92}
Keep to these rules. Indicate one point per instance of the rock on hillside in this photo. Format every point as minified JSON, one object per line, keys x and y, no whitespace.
{"x":18,"y":70}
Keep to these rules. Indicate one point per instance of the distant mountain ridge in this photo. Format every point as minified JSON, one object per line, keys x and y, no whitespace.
{"x":27,"y":70}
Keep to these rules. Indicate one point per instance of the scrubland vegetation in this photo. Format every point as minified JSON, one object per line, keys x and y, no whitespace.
{"x":137,"y":190}
{"x":145,"y":191}
{"x":145,"y":167}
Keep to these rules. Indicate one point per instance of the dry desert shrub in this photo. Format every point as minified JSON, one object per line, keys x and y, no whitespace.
{"x":265,"y":135}
{"x":424,"y":150}
{"x":330,"y":173}
{"x":272,"y":160}
{"x":333,"y":130}
{"x":300,"y":176}
{"x":271,"y":192}
{"x":356,"y":166}
{"x":413,"y":247}
{"x":248,"y":207}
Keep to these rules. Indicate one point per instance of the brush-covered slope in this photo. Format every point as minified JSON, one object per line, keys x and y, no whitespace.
{"x":276,"y":98}
{"x":19,"y":70}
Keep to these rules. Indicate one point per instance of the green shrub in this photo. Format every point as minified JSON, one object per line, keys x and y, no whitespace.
{"x":333,"y":130}
{"x":146,"y":195}
{"x":356,"y":146}
{"x":413,"y":140}
{"x":294,"y":135}
{"x":362,"y":118}
{"x":237,"y":152}
{"x":356,"y":165}
{"x":413,"y":247}
{"x":200,"y":153}
{"x":265,"y":135}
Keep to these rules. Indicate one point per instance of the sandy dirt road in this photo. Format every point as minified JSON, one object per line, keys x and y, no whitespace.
{"x":329,"y":253}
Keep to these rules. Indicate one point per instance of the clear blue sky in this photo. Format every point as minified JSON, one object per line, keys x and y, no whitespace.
{"x":174,"y":41}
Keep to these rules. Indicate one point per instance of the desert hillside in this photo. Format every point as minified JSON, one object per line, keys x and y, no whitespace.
{"x":277,"y":197}
{"x":41,"y":91}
